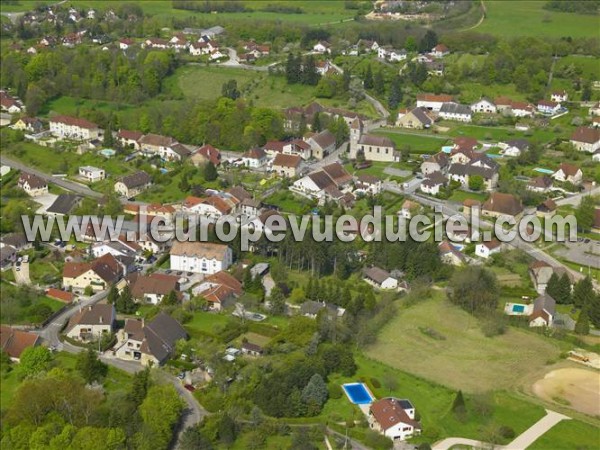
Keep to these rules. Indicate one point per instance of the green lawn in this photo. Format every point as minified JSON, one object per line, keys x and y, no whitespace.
{"x":452,"y":361}
{"x":204,"y":322}
{"x":461,"y":196}
{"x":418,"y":142}
{"x":528,"y":18}
{"x":567,"y":435}
{"x":290,"y":202}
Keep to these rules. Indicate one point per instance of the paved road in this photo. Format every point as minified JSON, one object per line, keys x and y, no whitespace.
{"x":574,"y":200}
{"x":193,"y":413}
{"x":69,"y":185}
{"x":234,"y":62}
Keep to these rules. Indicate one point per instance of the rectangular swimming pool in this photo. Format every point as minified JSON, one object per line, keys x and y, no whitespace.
{"x":518,"y":308}
{"x":358,"y":393}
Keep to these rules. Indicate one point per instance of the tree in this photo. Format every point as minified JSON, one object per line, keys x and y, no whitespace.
{"x":458,"y":405}
{"x":277,"y":300}
{"x":90,"y":367}
{"x":378,"y":82}
{"x":140,"y":386}
{"x":395,"y":93}
{"x":474,"y":289}
{"x":193,"y":439}
{"x":184,"y":184}
{"x":113,"y":295}
{"x":88,"y":291}
{"x":583,"y":323}
{"x":34,"y":360}
{"x":593,"y":310}
{"x":227,"y":430}
{"x":368,"y":81}
{"x":171,"y":299}
{"x":390,"y":382}
{"x":428,"y":41}
{"x":559,"y":288}
{"x":125,"y":303}
{"x":210,"y":172}
{"x":108,"y":140}
{"x":316,"y":123}
{"x":310,"y":75}
{"x":585,"y":213}
{"x":230,"y":90}
{"x":411,"y":44}
{"x":583,"y":293}
{"x":315,"y":391}
{"x":586,"y":92}
{"x":159,"y":412}
{"x":476,"y":182}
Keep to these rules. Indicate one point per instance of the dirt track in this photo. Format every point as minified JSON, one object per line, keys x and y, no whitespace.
{"x":577,"y":388}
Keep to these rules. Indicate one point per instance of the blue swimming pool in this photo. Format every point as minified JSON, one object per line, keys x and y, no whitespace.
{"x":358,"y":393}
{"x":540,"y":170}
{"x":108,"y":152}
{"x":447,"y":148}
{"x":518,"y":308}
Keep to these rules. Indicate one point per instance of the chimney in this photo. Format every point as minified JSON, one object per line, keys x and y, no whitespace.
{"x":90,"y":307}
{"x":100,"y":319}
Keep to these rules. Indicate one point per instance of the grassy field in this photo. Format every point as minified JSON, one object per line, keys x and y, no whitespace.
{"x":565,"y":434}
{"x":21,"y":6}
{"x":425,"y":143}
{"x":289,"y":202}
{"x":528,"y":18}
{"x":461,"y":196}
{"x":501,"y":362}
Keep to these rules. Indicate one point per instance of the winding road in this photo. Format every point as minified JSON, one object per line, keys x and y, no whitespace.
{"x":192,"y":414}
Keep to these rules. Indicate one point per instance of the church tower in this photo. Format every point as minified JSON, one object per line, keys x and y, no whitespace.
{"x":356,"y":130}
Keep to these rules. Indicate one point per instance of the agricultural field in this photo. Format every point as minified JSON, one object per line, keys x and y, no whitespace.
{"x":528,"y":18}
{"x":460,"y":349}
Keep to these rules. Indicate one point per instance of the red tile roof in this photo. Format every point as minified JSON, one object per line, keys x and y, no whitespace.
{"x":13,"y":341}
{"x":60,"y":295}
{"x":74,"y":121}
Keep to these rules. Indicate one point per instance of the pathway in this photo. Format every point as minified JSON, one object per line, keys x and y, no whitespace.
{"x":483,"y":15}
{"x":521,"y":442}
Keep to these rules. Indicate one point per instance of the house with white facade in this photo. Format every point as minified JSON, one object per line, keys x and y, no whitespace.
{"x":66,"y":127}
{"x":155,"y":144}
{"x":33,"y":185}
{"x":254,"y":158}
{"x":487,"y":249}
{"x":379,"y":278}
{"x":455,"y":111}
{"x":92,"y":322}
{"x":544,"y":311}
{"x":134,"y":184}
{"x":286,"y":165}
{"x":433,"y":102}
{"x":559,"y":96}
{"x":548,"y":107}
{"x":130,"y":139}
{"x":433,"y":183}
{"x":568,"y":173}
{"x":200,"y":257}
{"x":322,"y":47}
{"x":586,"y":139}
{"x":484,"y":106}
{"x":394,"y":418}
{"x":92,"y":174}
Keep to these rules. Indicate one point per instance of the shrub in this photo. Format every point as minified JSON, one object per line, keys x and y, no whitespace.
{"x":335,"y":391}
{"x":506,"y":432}
{"x":375,"y":383}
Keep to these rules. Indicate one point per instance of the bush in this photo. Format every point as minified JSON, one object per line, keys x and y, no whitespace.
{"x":335,"y":391}
{"x":375,"y":383}
{"x":376,"y":440}
{"x":506,"y":432}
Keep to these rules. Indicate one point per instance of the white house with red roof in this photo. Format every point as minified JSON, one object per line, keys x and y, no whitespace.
{"x":487,"y":249}
{"x":67,"y":127}
{"x":440,"y":50}
{"x":394,"y":418}
{"x":568,"y":173}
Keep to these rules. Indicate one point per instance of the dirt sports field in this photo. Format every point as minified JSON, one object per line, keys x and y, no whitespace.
{"x":579,"y":388}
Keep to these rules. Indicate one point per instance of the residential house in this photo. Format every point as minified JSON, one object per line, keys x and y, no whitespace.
{"x":254,"y":158}
{"x":449,"y":254}
{"x":251,"y":349}
{"x":391,"y":54}
{"x":17,"y":240}
{"x":394,"y":418}
{"x":297,"y":147}
{"x":92,"y":322}
{"x":10,"y":104}
{"x":502,"y":205}
{"x":487,"y":249}
{"x":369,"y":184}
{"x":8,"y":256}
{"x":455,"y":111}
{"x":212,"y":207}
{"x":409,"y":209}
{"x":433,"y":102}
{"x":440,"y":50}
{"x":540,"y":272}
{"x":198,"y":48}
{"x":131,"y":185}
{"x":63,"y":205}
{"x":548,"y":107}
{"x":544,"y":311}
{"x":417,"y":119}
{"x":30,"y":124}
{"x":464,"y":143}
{"x":92,"y":174}
{"x":200,"y":257}
{"x":125,"y":43}
{"x":540,"y":184}
{"x":220,"y":290}
{"x":152,"y":288}
{"x":157,"y":43}
{"x":521,"y":109}
{"x":286,"y":165}
{"x":119,"y":248}
{"x":205,"y":154}
{"x":322,"y":144}
{"x":155,"y":144}
{"x":568,"y":173}
{"x":322,"y":47}
{"x":586,"y":139}
{"x":546,"y":209}
{"x":559,"y":96}
{"x":33,"y":185}
{"x":484,"y":106}
{"x":311,"y":309}
{"x":433,"y":183}
{"x":514,"y":147}
{"x":13,"y":341}
{"x":326,"y":183}
{"x":153,"y":343}
{"x":435,"y":163}
{"x":99,"y":274}
{"x":66,"y":127}
{"x":483,"y":166}
{"x":130,"y":139}
{"x":379,"y":278}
